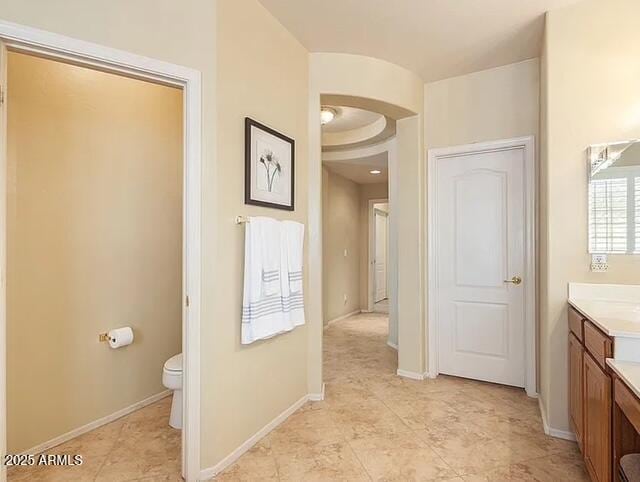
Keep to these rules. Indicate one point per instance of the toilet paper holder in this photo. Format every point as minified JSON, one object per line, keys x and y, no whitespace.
{"x":104,"y":337}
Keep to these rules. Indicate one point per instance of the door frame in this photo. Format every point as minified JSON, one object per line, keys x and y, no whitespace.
{"x":384,"y":214}
{"x":371,"y":255}
{"x":19,"y":38}
{"x":527,"y":144}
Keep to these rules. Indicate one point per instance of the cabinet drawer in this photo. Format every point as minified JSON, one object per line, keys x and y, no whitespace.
{"x":575,"y":323}
{"x":597,"y":343}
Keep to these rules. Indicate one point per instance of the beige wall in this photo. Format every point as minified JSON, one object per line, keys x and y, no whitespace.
{"x":263,"y":74}
{"x":500,"y":103}
{"x":367,"y":193}
{"x":592,"y":95}
{"x":94,"y":243}
{"x":544,"y":357}
{"x":409,"y":220}
{"x":346,"y":226}
{"x":341,"y":231}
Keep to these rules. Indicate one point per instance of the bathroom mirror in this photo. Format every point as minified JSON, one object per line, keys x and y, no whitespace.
{"x":614,"y":197}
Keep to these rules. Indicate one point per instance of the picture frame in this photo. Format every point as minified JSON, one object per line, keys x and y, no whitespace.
{"x":269,"y":167}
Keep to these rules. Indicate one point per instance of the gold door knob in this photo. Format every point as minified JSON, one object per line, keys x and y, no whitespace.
{"x":516,"y":280}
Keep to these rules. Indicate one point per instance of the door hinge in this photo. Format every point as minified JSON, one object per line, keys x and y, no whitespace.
{"x":1,"y":95}
{"x":186,"y":301}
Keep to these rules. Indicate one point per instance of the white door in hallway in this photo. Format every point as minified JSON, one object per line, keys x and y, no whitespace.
{"x":380,"y":263}
{"x":480,"y":236}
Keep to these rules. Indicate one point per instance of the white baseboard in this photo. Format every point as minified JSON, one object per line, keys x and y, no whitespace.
{"x":553,"y":432}
{"x":97,"y":423}
{"x":343,"y":317}
{"x":211,"y":472}
{"x":412,"y":375}
{"x":392,"y":345}
{"x":317,"y":397}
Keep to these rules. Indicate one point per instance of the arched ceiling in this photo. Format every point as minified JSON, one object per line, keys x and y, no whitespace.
{"x":436,"y":39}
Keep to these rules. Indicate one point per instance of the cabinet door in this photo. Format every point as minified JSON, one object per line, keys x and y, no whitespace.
{"x":576,"y":352}
{"x":597,"y":420}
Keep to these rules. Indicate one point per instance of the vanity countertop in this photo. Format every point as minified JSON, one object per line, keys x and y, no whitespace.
{"x":629,"y":373}
{"x":615,"y":318}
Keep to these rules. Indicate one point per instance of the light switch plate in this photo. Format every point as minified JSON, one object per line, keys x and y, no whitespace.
{"x":599,"y":263}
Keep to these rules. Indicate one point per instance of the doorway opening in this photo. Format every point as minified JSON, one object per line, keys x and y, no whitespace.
{"x":356,"y":148}
{"x":94,"y":245}
{"x":379,"y":256}
{"x":82,"y":183}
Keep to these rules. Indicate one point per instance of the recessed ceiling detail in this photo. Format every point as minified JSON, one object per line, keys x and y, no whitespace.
{"x":349,"y":118}
{"x":436,"y":39}
{"x":353,"y":127}
{"x":362,"y":170}
{"x":358,"y":164}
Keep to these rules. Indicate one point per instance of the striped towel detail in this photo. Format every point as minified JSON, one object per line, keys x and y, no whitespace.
{"x":269,"y":276}
{"x":271,"y":282}
{"x":271,"y":305}
{"x":295,"y":276}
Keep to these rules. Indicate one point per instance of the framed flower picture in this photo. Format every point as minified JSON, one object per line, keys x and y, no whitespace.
{"x":269,"y":167}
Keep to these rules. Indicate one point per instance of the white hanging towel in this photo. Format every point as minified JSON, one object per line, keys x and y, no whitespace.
{"x":268,"y":307}
{"x":291,"y":272}
{"x":293,"y":234}
{"x":267,"y":237}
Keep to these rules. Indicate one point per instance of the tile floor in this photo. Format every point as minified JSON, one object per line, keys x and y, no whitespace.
{"x":374,"y":425}
{"x":138,"y":447}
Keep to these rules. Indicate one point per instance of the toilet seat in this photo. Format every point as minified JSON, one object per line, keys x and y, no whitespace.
{"x":172,"y":379}
{"x":174,"y":364}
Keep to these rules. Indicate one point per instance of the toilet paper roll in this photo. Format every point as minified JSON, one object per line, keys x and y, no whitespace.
{"x":120,"y":337}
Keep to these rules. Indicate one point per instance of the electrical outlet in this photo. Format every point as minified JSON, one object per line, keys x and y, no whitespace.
{"x":345,"y":299}
{"x":599,"y":263}
{"x":599,"y":258}
{"x":599,"y":267}
{"x":345,"y":252}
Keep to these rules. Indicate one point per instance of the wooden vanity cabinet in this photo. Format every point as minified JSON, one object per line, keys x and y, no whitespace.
{"x":591,"y":395}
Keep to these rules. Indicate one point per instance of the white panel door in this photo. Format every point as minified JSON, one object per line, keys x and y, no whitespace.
{"x":480,"y":248}
{"x":380,"y":262}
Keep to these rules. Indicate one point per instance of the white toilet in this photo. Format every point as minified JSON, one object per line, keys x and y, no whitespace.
{"x":172,"y":379}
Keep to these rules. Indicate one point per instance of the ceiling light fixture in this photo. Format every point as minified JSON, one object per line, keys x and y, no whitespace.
{"x":327,"y":114}
{"x":375,"y":172}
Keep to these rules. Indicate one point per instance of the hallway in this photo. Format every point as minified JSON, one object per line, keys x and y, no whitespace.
{"x":374,"y":425}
